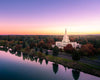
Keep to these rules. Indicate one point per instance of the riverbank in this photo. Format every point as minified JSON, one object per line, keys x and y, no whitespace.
{"x":75,"y":65}
{"x":78,"y":65}
{"x":84,"y":67}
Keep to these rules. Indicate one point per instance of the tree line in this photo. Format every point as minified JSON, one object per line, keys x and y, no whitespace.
{"x":90,"y":44}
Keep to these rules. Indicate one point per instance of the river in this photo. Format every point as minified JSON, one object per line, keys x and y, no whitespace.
{"x":22,"y":67}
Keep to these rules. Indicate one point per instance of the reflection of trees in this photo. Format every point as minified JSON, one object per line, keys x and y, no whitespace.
{"x":55,"y":68}
{"x":12,"y":52}
{"x":18,"y":53}
{"x":75,"y":74}
{"x":25,"y":56}
{"x":36,"y":59}
{"x":40,"y":60}
{"x":31,"y":58}
{"x":3,"y":48}
{"x":46,"y":61}
{"x":65,"y":68}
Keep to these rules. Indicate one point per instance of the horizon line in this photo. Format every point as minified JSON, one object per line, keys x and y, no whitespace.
{"x":44,"y":34}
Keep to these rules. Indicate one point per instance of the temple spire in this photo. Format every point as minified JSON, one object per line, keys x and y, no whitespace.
{"x":65,"y":31}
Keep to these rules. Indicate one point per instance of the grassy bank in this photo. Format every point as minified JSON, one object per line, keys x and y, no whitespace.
{"x":91,"y":69}
{"x":87,"y":68}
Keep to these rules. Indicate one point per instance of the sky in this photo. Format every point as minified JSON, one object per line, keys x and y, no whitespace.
{"x":49,"y":17}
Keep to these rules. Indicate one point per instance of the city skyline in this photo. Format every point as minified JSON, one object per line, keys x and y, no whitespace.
{"x":49,"y":17}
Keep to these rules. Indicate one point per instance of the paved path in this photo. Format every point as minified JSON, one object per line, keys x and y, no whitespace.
{"x":95,"y":63}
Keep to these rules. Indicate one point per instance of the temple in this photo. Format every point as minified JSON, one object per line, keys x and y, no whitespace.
{"x":66,"y":41}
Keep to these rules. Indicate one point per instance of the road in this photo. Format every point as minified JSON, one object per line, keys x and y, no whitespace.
{"x":95,"y":63}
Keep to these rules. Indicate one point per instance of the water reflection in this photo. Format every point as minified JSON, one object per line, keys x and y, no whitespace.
{"x":65,"y":68}
{"x":40,"y":60}
{"x":75,"y":74}
{"x":3,"y":48}
{"x":12,"y":51}
{"x":46,"y":61}
{"x":25,"y":56}
{"x":35,"y":59}
{"x":55,"y":68}
{"x":18,"y":53}
{"x":31,"y":58}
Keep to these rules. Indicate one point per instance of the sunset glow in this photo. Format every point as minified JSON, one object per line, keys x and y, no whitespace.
{"x":42,"y":17}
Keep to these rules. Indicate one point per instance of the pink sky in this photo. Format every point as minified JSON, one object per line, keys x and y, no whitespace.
{"x":49,"y":17}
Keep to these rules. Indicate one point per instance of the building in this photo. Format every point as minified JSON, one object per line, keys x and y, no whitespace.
{"x":66,"y":41}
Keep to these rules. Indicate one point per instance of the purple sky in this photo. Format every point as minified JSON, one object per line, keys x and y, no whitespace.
{"x":46,"y":16}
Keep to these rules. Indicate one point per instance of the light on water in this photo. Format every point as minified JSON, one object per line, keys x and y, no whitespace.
{"x":23,"y":67}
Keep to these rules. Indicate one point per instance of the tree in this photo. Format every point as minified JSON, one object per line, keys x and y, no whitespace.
{"x":18,"y":47}
{"x":41,"y":43}
{"x":18,"y":42}
{"x":46,"y":52}
{"x":87,"y":50}
{"x":41,"y":49}
{"x":39,"y":54}
{"x":36,"y":49}
{"x":32,"y":45}
{"x":76,"y":55}
{"x":55,"y":51}
{"x":23,"y":45}
{"x":69,"y":48}
{"x":27,"y":50}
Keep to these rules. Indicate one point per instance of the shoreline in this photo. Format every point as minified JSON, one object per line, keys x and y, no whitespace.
{"x":86,"y":68}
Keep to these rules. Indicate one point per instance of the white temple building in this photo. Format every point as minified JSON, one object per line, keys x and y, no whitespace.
{"x":66,"y":41}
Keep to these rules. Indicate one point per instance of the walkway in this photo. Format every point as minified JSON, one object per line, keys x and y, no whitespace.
{"x":95,"y":63}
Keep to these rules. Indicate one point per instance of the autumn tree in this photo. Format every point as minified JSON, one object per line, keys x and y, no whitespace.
{"x":69,"y":48}
{"x":18,"y":47}
{"x":41,"y":43}
{"x":87,"y":49}
{"x":32,"y":45}
{"x":27,"y":50}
